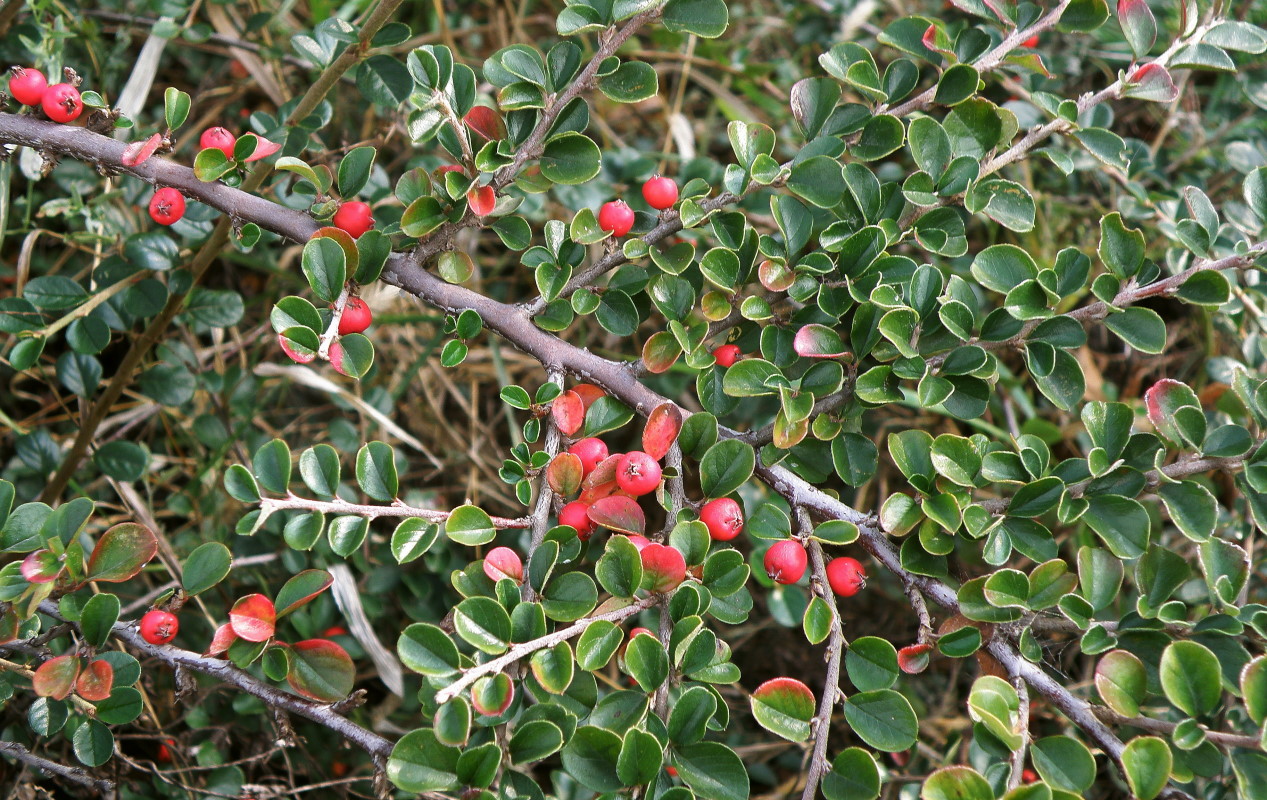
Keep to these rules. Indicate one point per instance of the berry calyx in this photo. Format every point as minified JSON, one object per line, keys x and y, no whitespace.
{"x":61,"y":102}
{"x":616,"y":217}
{"x":660,"y":192}
{"x":167,"y":206}
{"x":219,"y":139}
{"x":723,"y":517}
{"x":637,"y":473}
{"x":159,"y":627}
{"x":356,"y":317}
{"x":354,"y":217}
{"x":591,"y":451}
{"x":577,"y":514}
{"x":785,"y":561}
{"x":846,"y":576}
{"x":727,"y":355}
{"x":27,"y":85}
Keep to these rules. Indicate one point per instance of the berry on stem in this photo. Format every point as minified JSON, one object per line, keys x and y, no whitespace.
{"x":637,"y":473}
{"x":577,"y":514}
{"x":61,"y":102}
{"x":356,"y":317}
{"x":159,"y":627}
{"x":591,"y":451}
{"x":785,"y":561}
{"x":723,"y":517}
{"x":218,"y":138}
{"x":616,"y":217}
{"x":660,"y":192}
{"x":727,"y":355}
{"x":354,"y":217}
{"x":1031,"y":42}
{"x":846,"y":576}
{"x":27,"y":85}
{"x":167,"y":206}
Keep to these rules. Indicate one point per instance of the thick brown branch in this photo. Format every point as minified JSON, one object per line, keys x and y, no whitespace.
{"x":71,"y":774}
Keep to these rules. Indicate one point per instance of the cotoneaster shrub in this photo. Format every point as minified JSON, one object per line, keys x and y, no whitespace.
{"x":760,"y":398}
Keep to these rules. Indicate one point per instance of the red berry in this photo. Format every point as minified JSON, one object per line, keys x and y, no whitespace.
{"x":672,"y":771}
{"x":635,"y":631}
{"x":1031,"y":41}
{"x":591,"y":451}
{"x":27,"y":85}
{"x":616,"y":217}
{"x":159,"y":627}
{"x":164,"y":752}
{"x":356,"y":317}
{"x":637,"y":473}
{"x":167,"y":206}
{"x":724,"y":518}
{"x":238,"y":70}
{"x":61,"y":102}
{"x":1028,"y":776}
{"x":846,"y":576}
{"x":577,"y":514}
{"x":727,"y":355}
{"x":338,"y":769}
{"x":218,"y":138}
{"x":660,"y":192}
{"x":334,"y":630}
{"x":785,"y":561}
{"x":448,"y":168}
{"x":354,"y":217}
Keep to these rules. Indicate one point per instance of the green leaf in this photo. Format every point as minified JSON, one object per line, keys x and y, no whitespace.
{"x":591,"y":757}
{"x":1190,"y":677}
{"x":354,"y":170}
{"x":1147,"y":760}
{"x":570,"y":158}
{"x":784,"y":706}
{"x":325,"y":267}
{"x":854,"y":775}
{"x":206,"y":566}
{"x":705,"y":18}
{"x":632,"y":82}
{"x":470,"y":525}
{"x":1065,"y":763}
{"x":98,"y":617}
{"x":819,"y":180}
{"x":712,"y":770}
{"x":420,"y":762}
{"x":956,"y":783}
{"x":871,"y":663}
{"x":376,"y":471}
{"x":883,"y":719}
{"x":428,"y":650}
{"x":1121,"y":522}
{"x":1141,"y":328}
{"x":1122,"y":682}
{"x":484,"y":624}
{"x":725,"y":467}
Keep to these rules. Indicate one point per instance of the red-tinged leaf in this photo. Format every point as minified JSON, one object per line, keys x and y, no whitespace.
{"x":55,"y":678}
{"x":660,"y":352}
{"x":818,"y":341}
{"x":42,"y":566}
{"x":775,"y":276}
{"x":593,"y":494}
{"x":784,"y":706}
{"x":486,"y":122}
{"x":9,"y":625}
{"x":603,"y":473}
{"x":137,"y":152}
{"x":502,"y":562}
{"x":588,"y":393}
{"x":345,"y":242}
{"x":482,"y":200}
{"x":936,"y":40}
{"x":564,"y":474}
{"x":1162,"y":400}
{"x":1139,"y":25}
{"x":913,"y":659}
{"x":1151,"y":82}
{"x":296,"y":351}
{"x":1030,"y":61}
{"x":254,"y":618}
{"x":568,"y":411}
{"x":96,"y":681}
{"x":618,"y":513}
{"x":321,"y":670}
{"x":663,"y":426}
{"x":121,"y":552}
{"x":663,"y":567}
{"x":301,"y":589}
{"x":787,"y":435}
{"x":492,"y":695}
{"x":222,"y":640}
{"x":263,"y":149}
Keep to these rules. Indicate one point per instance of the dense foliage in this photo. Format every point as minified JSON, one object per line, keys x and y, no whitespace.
{"x":377,"y":424}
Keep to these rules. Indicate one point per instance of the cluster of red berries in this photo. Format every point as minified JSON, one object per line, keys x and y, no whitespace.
{"x":158,"y":626}
{"x":617,"y":218}
{"x":636,"y":473}
{"x":61,"y":101}
{"x":786,"y":560}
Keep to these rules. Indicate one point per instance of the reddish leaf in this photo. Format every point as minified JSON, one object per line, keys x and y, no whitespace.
{"x":603,"y":473}
{"x":345,"y":242}
{"x":482,"y":200}
{"x":818,"y":341}
{"x":96,"y":681}
{"x":486,"y":122}
{"x":596,"y":493}
{"x":568,"y":411}
{"x":9,"y":624}
{"x":663,"y":426}
{"x":137,"y":152}
{"x":222,"y":640}
{"x":321,"y":670}
{"x":296,"y":351}
{"x":42,"y":566}
{"x":121,"y":552}
{"x":588,"y":393}
{"x":775,"y":276}
{"x":263,"y":149}
{"x":301,"y":589}
{"x":492,"y":695}
{"x":1151,"y":82}
{"x":502,"y":562}
{"x":619,"y":513}
{"x":663,"y":567}
{"x":254,"y":618}
{"x":564,"y":474}
{"x":660,"y":352}
{"x":1162,"y":400}
{"x":56,"y":677}
{"x":788,"y":434}
{"x":913,"y":659}
{"x":1139,"y":25}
